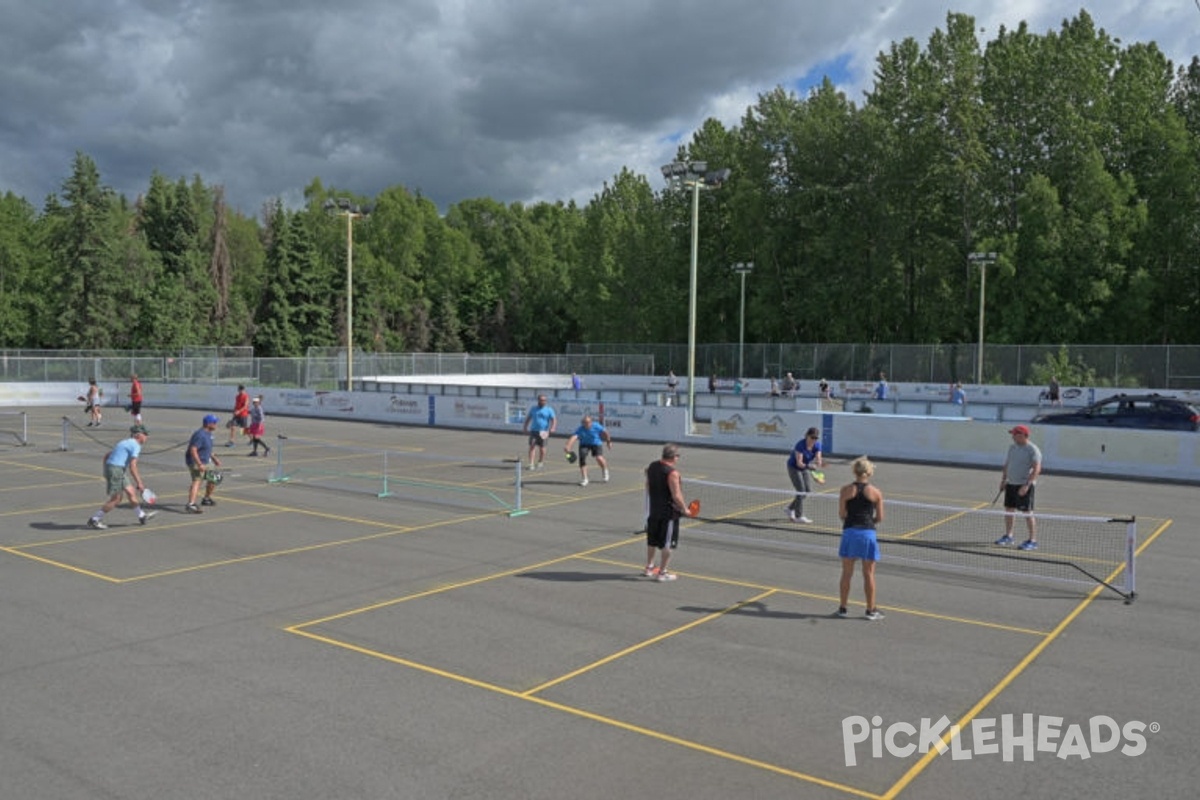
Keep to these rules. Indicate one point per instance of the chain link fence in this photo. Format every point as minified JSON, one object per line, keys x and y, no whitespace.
{"x":1117,"y":366}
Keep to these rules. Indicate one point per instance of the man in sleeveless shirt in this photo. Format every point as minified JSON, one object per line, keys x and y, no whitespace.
{"x":664,"y":488}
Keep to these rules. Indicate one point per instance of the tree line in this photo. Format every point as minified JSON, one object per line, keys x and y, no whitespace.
{"x":1071,"y":156}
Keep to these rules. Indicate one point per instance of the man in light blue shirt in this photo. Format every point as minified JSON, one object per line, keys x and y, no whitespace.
{"x":592,"y":438}
{"x":123,"y":479}
{"x":540,"y":422}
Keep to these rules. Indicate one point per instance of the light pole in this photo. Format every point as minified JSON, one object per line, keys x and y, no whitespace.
{"x":344,"y":208}
{"x":743,"y":269}
{"x":983,"y":260}
{"x":694,"y":175}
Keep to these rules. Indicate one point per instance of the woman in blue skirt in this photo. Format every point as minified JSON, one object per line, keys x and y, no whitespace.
{"x":860,"y":505}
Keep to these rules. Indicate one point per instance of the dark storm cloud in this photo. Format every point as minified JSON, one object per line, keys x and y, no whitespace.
{"x":510,"y":99}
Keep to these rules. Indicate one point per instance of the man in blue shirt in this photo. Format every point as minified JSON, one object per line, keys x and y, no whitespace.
{"x":540,"y":422}
{"x":200,"y":461}
{"x":592,"y":438}
{"x":957,"y":396}
{"x":123,"y":478}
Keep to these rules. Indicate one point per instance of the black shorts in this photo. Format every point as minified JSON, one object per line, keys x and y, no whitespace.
{"x":594,"y":450}
{"x":238,"y":422}
{"x":536,"y":440}
{"x":662,"y":533}
{"x":1013,"y":498}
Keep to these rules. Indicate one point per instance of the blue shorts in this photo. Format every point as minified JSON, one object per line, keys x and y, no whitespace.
{"x":859,"y":543}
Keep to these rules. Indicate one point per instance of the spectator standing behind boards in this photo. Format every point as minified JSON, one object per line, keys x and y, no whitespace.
{"x":860,"y":506}
{"x":823,"y":388}
{"x":576,"y":381}
{"x":592,"y":439}
{"x":957,"y":396}
{"x":200,"y":460}
{"x":540,"y":422}
{"x":664,"y":490}
{"x":135,"y":398}
{"x":712,"y":384}
{"x":123,"y":479}
{"x":673,"y":386}
{"x":258,"y":426}
{"x":789,"y":385}
{"x":881,"y":388}
{"x":241,"y":414}
{"x":1022,"y":466}
{"x":1054,"y":391}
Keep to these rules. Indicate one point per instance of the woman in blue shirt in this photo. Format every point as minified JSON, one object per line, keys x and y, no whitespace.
{"x":805,"y":457}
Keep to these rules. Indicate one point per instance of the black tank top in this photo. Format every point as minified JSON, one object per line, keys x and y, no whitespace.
{"x":661,"y":504}
{"x":860,"y":511}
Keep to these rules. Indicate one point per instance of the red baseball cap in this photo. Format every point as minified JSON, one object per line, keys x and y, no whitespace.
{"x":1020,"y":429}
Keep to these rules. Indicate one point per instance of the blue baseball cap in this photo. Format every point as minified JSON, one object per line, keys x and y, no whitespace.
{"x":211,"y":419}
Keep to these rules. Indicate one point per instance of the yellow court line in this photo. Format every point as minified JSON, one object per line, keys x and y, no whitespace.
{"x":939,"y":523}
{"x":588,"y":715}
{"x":449,"y":587}
{"x":130,"y":530}
{"x":37,"y":486}
{"x":827,"y":598}
{"x":260,"y":556}
{"x":40,"y":468}
{"x":641,"y":645}
{"x":1012,"y":675}
{"x":392,"y":531}
{"x":308,"y":512}
{"x":52,"y":563}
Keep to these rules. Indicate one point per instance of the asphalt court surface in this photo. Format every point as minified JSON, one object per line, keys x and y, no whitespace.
{"x":303,"y":641}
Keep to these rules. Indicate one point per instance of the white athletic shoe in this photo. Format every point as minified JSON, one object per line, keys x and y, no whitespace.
{"x":804,"y":520}
{"x":583,"y":482}
{"x":606,"y":476}
{"x":792,"y":515}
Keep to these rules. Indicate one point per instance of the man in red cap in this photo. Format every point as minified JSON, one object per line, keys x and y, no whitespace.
{"x":1018,"y":479}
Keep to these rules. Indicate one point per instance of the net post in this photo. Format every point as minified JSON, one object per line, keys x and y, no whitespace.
{"x":517,"y":510}
{"x":24,"y":429}
{"x":385,"y":491}
{"x":278,"y":475}
{"x":66,"y":422}
{"x":1130,"y":558}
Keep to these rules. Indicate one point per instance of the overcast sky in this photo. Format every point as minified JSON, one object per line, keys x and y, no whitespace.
{"x":517,"y":100}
